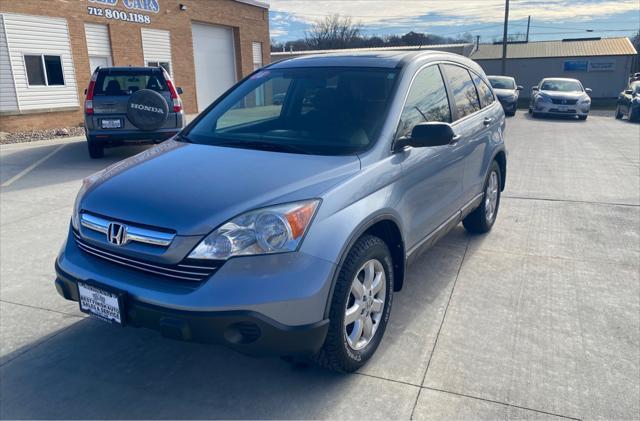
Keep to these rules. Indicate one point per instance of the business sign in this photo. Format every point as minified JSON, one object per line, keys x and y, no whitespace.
{"x":602,"y":66}
{"x":589,"y":66}
{"x":576,"y":65}
{"x":131,"y":13}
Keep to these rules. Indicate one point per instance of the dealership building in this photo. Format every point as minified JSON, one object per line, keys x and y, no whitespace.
{"x":49,"y":48}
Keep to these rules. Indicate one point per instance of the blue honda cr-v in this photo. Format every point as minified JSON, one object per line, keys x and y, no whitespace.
{"x":281,"y":220}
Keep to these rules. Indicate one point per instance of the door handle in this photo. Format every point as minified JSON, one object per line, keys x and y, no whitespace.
{"x":487,"y":121}
{"x":455,"y":139}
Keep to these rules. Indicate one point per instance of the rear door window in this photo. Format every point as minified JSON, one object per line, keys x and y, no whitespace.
{"x":463,"y":90}
{"x":122,"y":83}
{"x":426,"y":101}
{"x":484,"y":91}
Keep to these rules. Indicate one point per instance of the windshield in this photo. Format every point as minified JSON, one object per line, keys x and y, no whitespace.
{"x":502,"y":82}
{"x":561,"y":85}
{"x":323,"y":111}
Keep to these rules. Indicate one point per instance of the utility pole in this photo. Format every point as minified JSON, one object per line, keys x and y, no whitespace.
{"x":504,"y":37}
{"x":528,"y":26}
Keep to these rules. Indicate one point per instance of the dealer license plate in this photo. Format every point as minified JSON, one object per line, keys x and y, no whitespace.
{"x":100,"y":303}
{"x":111,"y":124}
{"x":563,"y":108}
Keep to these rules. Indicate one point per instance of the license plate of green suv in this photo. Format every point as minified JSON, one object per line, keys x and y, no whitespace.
{"x":102,"y":304}
{"x":111,"y":124}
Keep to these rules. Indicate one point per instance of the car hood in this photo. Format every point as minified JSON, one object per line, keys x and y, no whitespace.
{"x":505,"y":93}
{"x":563,"y":95}
{"x":193,"y":188}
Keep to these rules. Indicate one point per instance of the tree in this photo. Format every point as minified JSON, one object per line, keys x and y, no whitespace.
{"x":333,"y":32}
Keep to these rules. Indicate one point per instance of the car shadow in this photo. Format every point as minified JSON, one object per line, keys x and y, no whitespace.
{"x":93,"y":370}
{"x":71,"y":163}
{"x":557,"y":118}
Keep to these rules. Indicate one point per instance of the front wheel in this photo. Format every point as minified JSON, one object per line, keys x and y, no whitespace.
{"x":618,"y":113}
{"x":360,"y":306}
{"x":582,"y":117}
{"x":484,"y":216}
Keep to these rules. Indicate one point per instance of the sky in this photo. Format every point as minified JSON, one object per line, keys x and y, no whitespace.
{"x":550,"y":19}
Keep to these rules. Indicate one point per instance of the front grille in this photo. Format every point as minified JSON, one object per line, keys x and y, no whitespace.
{"x":565,"y":101}
{"x":185,"y":271}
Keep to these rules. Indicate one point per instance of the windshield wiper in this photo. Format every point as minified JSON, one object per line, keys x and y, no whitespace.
{"x":264,"y":146}
{"x":180,"y":137}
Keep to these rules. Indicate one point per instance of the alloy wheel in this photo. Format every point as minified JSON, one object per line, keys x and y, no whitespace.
{"x":365,"y":304}
{"x":491,"y":197}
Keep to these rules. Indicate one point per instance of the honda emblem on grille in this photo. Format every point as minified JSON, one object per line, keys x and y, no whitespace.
{"x":117,"y":234}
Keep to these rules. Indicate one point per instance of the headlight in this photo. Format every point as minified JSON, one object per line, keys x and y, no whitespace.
{"x":275,"y":229}
{"x":585,"y":100}
{"x":508,"y":98}
{"x":543,"y":98}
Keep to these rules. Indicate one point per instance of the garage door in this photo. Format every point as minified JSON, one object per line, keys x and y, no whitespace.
{"x":215,"y":62}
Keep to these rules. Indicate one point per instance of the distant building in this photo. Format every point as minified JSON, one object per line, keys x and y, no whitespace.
{"x":604,"y":65}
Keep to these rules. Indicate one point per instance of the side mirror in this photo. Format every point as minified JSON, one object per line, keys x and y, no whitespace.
{"x":588,"y":91}
{"x":426,"y":135}
{"x":628,"y":91}
{"x":179,"y":90}
{"x":534,"y":88}
{"x":519,"y":87}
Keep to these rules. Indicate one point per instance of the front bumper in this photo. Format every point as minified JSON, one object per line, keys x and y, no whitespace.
{"x":509,"y":106}
{"x":245,"y":331}
{"x":557,"y":109}
{"x":273,"y":304}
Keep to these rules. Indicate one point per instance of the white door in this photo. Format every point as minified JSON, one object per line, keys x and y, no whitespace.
{"x":98,"y":61}
{"x":215,"y":62}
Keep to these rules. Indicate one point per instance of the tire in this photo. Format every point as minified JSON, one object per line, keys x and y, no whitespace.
{"x":344,"y":350}
{"x":511,"y":113}
{"x":582,"y":117}
{"x":634,"y":116}
{"x":479,"y":221}
{"x":618,"y":113}
{"x":147,"y":109}
{"x":530,"y":110}
{"x":96,"y":150}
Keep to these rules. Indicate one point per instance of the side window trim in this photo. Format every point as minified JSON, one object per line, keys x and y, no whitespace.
{"x":408,"y":92}
{"x":453,"y":111}
{"x":493,"y":95}
{"x":451,"y":93}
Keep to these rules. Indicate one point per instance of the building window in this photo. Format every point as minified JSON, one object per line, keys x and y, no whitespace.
{"x":44,"y":70}
{"x":165,"y":65}
{"x":256,"y":49}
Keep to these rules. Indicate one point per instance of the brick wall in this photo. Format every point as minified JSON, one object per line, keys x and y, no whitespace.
{"x":249,"y":23}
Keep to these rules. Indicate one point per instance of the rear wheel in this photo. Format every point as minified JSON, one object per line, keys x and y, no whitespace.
{"x":360,"y":306}
{"x":484,"y":216}
{"x":96,"y":150}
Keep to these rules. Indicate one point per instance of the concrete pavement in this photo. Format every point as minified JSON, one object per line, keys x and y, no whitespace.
{"x":538,"y":319}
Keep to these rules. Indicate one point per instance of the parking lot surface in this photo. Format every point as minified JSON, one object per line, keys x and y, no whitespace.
{"x":538,"y":319}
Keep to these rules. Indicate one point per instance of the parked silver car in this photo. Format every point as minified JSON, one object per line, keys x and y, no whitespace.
{"x":285,"y":227}
{"x":560,"y":96}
